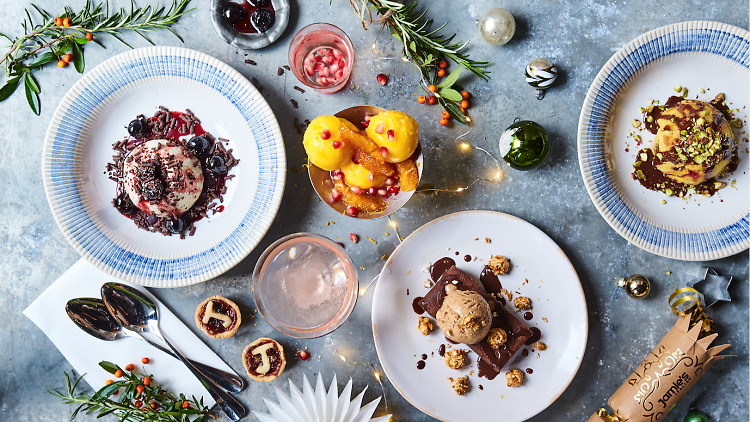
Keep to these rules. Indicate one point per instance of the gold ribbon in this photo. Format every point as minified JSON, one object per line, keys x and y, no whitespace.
{"x":692,"y":305}
{"x":603,"y":413}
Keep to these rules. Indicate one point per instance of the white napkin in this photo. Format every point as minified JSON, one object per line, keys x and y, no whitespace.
{"x":84,"y":352}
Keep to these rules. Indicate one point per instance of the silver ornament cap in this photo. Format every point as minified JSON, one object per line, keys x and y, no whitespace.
{"x":540,"y":73}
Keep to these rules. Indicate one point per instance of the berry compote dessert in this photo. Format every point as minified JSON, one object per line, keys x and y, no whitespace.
{"x":251,"y":16}
{"x":169,"y":172}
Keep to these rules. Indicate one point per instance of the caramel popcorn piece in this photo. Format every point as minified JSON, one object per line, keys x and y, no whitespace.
{"x":507,"y":294}
{"x":514,"y":377}
{"x":522,"y":302}
{"x":499,"y":265}
{"x":540,"y":346}
{"x":455,"y":359}
{"x":425,"y":326}
{"x":471,"y":323}
{"x":497,"y":337}
{"x":460,"y":385}
{"x":487,"y":240}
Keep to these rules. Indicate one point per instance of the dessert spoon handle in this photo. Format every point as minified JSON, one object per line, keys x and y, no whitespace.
{"x":223,"y":379}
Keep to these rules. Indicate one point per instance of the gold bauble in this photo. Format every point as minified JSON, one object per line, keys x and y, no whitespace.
{"x":637,"y":286}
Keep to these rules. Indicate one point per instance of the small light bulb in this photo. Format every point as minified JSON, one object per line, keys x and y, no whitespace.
{"x":377,"y":376}
{"x":459,"y":189}
{"x":342,"y":358}
{"x":464,"y":145}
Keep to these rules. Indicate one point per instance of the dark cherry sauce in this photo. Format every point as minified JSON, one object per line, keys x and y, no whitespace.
{"x":450,"y":341}
{"x":467,"y":258}
{"x":536,"y":334}
{"x":416,"y":305}
{"x":490,"y":281}
{"x":407,"y":292}
{"x":457,"y":253}
{"x":441,"y":350}
{"x":245,"y":25}
{"x":529,"y":371}
{"x":440,"y":267}
{"x":420,"y":364}
{"x":528,"y":315}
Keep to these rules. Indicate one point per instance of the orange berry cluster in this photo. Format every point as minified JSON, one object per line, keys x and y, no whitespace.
{"x":66,"y":23}
{"x":445,"y":116}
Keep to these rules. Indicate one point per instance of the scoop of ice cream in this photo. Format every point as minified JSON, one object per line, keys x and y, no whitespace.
{"x":324,"y":145}
{"x":694,"y":142}
{"x":464,"y":317}
{"x":359,"y":175}
{"x":162,"y":178}
{"x":396,"y":131}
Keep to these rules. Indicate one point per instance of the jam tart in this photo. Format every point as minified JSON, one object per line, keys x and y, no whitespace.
{"x":218,"y":317}
{"x":264,"y":359}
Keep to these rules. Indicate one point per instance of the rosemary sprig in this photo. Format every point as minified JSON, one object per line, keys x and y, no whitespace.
{"x":49,"y":40}
{"x":129,"y":404}
{"x":426,"y":48}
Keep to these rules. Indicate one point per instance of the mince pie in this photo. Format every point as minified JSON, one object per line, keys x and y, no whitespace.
{"x":264,"y":359}
{"x":218,"y":317}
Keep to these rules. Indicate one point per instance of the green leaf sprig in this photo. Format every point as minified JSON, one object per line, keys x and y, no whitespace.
{"x":426,"y":48}
{"x":123,"y":399}
{"x":49,"y":40}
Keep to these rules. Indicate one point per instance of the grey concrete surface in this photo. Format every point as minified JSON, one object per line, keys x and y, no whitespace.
{"x":579,"y":36}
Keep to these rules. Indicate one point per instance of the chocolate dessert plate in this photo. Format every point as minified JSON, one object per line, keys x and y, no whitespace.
{"x":540,"y":271}
{"x":94,"y":114}
{"x":707,"y":58}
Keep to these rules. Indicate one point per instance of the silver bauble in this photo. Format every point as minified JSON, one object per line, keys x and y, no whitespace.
{"x":497,"y":26}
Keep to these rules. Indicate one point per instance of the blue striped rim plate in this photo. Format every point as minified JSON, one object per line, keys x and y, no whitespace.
{"x":711,"y":56}
{"x":92,"y":116}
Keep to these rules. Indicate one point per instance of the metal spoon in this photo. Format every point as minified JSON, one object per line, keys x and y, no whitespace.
{"x":91,"y":315}
{"x":137,"y":312}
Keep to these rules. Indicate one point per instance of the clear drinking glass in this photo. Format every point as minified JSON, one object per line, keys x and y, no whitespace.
{"x":321,"y":56}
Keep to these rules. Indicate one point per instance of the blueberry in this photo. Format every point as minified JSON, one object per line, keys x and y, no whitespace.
{"x":138,"y":128}
{"x":198,"y":145}
{"x":216,"y":165}
{"x":234,"y":13}
{"x":124,"y":204}
{"x":262,"y":20}
{"x":258,"y":3}
{"x":175,"y":225}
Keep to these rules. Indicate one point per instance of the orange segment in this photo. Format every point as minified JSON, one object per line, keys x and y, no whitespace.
{"x":357,"y":139}
{"x":408,"y":175}
{"x":364,"y":203}
{"x":374,"y":162}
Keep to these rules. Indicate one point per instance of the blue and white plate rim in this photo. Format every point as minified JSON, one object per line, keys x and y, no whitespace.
{"x":730,"y":42}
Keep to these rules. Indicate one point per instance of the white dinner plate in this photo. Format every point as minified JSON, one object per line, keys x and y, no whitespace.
{"x":93,"y":115}
{"x":711,"y":56}
{"x":553,"y":287}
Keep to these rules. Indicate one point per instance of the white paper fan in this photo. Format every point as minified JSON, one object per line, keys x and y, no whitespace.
{"x":315,"y":405}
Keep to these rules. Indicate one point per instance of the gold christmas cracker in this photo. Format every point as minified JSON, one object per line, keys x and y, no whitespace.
{"x":670,"y":370}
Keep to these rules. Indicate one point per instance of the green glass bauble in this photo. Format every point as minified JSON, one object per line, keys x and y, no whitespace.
{"x":695,"y":416}
{"x":524,"y":145}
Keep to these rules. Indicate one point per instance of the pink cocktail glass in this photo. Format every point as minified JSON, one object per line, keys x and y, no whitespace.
{"x":321,"y":56}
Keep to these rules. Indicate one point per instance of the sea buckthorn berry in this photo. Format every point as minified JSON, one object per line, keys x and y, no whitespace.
{"x":185,"y":404}
{"x":129,"y":367}
{"x":464,"y":95}
{"x":153,"y":406}
{"x":443,"y":64}
{"x":146,"y":380}
{"x":68,"y":58}
{"x":108,"y":382}
{"x":441,"y":73}
{"x":432,"y":88}
{"x":61,"y":63}
{"x":67,"y":22}
{"x":138,"y":403}
{"x":118,"y":373}
{"x":421,"y":99}
{"x":58,"y":21}
{"x":89,"y":36}
{"x":431,"y":100}
{"x":139,"y":388}
{"x":446,"y":115}
{"x":465,"y":104}
{"x":463,"y":110}
{"x":146,"y":360}
{"x":444,"y":122}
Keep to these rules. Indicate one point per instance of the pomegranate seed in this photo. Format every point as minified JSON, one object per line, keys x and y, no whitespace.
{"x":337,"y":54}
{"x":353,"y":211}
{"x":324,"y":72}
{"x":367,"y":118}
{"x":342,"y":245}
{"x":318,"y":58}
{"x":310,"y":71}
{"x":337,"y":175}
{"x":394,"y":190}
{"x":364,"y":123}
{"x":353,"y":237}
{"x":325,"y":134}
{"x":383,"y":192}
{"x":391,"y":135}
{"x":339,"y":74}
{"x":372,"y":191}
{"x":356,"y":190}
{"x":336,"y":195}
{"x":328,"y":60}
{"x":390,"y":181}
{"x":354,"y":160}
{"x":382,"y":79}
{"x":342,"y":63}
{"x":318,"y":66}
{"x":333,"y":68}
{"x":337,"y":144}
{"x":323,"y":80}
{"x":322,"y":51}
{"x":380,"y":129}
{"x":384,"y":150}
{"x":309,"y":61}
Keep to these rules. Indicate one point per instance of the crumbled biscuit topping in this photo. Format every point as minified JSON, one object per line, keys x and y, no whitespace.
{"x":471,"y":322}
{"x":497,"y":337}
{"x":425,"y":326}
{"x":455,"y":359}
{"x":514,"y":377}
{"x":540,"y":346}
{"x":499,"y":265}
{"x":522,"y":302}
{"x":507,"y":294}
{"x":460,"y":385}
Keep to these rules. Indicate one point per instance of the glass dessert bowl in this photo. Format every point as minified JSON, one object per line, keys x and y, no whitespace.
{"x":337,"y":188}
{"x":321,"y":56}
{"x":305,"y":285}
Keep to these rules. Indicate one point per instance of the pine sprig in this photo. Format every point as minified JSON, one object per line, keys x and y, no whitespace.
{"x":123,"y":399}
{"x":426,"y":48}
{"x":47,"y":40}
